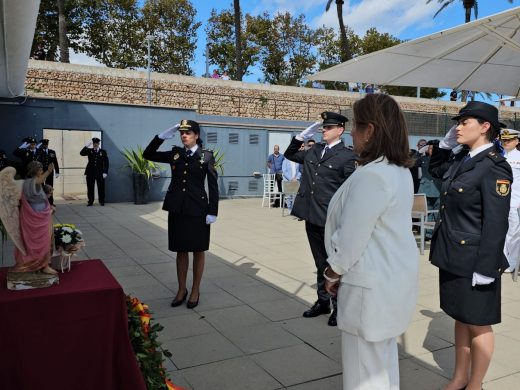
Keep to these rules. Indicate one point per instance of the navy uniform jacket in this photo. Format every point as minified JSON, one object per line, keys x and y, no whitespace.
{"x":47,"y":158}
{"x":26,"y":155}
{"x":186,"y":194}
{"x":473,"y":218}
{"x":320,"y":179}
{"x":97,"y":161}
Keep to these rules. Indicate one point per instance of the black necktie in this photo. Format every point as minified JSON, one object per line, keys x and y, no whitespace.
{"x":466,"y":159}
{"x":188,"y":152}
{"x":325,"y":151}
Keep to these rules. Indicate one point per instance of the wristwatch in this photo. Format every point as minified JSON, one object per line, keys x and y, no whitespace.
{"x":328,"y":278}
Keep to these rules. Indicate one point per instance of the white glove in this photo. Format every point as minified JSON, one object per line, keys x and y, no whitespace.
{"x":210,"y":219}
{"x":424,"y":149}
{"x":25,"y":145}
{"x":105,"y":175}
{"x":38,"y":146}
{"x":168,"y":133}
{"x":56,"y":175}
{"x":481,"y":279}
{"x":88,"y":144}
{"x":450,"y":139}
{"x":309,"y":132}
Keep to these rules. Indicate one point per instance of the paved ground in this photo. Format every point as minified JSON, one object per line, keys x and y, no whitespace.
{"x":247,"y":332}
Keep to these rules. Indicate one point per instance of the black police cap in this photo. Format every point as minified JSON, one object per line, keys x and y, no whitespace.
{"x":333,"y":118}
{"x":188,"y":124}
{"x":96,"y":140}
{"x":480,"y":110}
{"x":45,"y":141}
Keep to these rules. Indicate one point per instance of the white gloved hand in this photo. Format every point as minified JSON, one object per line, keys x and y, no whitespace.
{"x":424,"y":149}
{"x":168,"y":133}
{"x":25,"y":145}
{"x":38,"y":146}
{"x":309,"y":132}
{"x":210,"y":219}
{"x":56,"y":175}
{"x":481,"y":279}
{"x":450,"y":139}
{"x":88,"y":144}
{"x":105,"y":175}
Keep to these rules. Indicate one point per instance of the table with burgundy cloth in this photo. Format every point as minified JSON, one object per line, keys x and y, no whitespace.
{"x":70,"y":336}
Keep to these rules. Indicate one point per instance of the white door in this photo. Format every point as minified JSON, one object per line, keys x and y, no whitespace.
{"x":67,"y":144}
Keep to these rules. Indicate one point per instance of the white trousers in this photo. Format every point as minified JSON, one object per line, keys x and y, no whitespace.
{"x":369,"y":366}
{"x":512,"y":245}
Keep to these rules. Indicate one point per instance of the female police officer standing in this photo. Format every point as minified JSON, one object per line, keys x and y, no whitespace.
{"x":468,"y":240}
{"x":190,"y":209}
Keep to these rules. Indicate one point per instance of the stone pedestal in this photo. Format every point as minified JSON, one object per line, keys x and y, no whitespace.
{"x":28,"y":280}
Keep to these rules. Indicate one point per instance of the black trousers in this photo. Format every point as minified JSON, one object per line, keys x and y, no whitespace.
{"x":278,"y":179}
{"x":96,"y":179}
{"x":316,"y":237}
{"x":50,"y":181}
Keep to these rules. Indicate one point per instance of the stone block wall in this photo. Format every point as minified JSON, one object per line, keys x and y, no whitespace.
{"x":207,"y":96}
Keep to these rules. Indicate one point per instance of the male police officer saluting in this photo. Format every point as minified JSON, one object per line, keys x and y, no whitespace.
{"x":96,"y":170}
{"x":47,"y":156}
{"x":326,"y":166}
{"x":26,"y":152}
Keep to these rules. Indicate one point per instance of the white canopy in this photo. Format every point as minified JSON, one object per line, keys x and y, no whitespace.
{"x":17,"y":24}
{"x":483,"y":55}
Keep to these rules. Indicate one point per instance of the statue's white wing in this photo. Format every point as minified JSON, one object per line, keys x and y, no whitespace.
{"x":10,"y":193}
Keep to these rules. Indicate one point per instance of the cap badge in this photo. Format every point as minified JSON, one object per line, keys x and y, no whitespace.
{"x":503,"y":187}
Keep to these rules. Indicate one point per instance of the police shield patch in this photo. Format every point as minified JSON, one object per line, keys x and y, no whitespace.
{"x":503,"y":187}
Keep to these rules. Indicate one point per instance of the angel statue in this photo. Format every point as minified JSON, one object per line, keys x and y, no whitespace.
{"x":27,"y":217}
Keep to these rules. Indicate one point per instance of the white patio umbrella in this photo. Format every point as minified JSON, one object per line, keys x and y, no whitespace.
{"x":483,"y":55}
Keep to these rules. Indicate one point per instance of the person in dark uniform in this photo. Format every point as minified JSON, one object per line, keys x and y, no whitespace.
{"x":468,"y":239}
{"x":47,"y":156}
{"x":190,"y":209}
{"x":4,"y":162}
{"x":26,"y":152}
{"x":96,"y":170}
{"x":326,"y":166}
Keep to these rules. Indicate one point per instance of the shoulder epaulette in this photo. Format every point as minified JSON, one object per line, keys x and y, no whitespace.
{"x":495,"y":157}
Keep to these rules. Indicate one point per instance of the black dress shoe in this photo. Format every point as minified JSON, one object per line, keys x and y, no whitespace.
{"x":317,"y":309}
{"x":192,"y":305}
{"x":89,"y":204}
{"x":102,"y":203}
{"x":333,"y":319}
{"x":178,"y":302}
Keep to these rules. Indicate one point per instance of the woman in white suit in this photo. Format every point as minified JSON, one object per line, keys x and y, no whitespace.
{"x":373,"y":256}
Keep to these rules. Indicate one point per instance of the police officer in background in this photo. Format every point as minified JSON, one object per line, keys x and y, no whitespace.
{"x":191,"y":210}
{"x":48,"y":156}
{"x":4,"y":162}
{"x":26,"y":152}
{"x":326,"y":166}
{"x":509,"y":140}
{"x":96,"y":170}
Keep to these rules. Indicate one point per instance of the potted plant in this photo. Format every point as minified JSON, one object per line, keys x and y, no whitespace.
{"x":142,"y":172}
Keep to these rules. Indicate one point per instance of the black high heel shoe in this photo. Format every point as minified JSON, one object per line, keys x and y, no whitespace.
{"x":192,"y":305}
{"x":178,"y":302}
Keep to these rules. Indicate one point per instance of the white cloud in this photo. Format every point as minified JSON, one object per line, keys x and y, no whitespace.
{"x":82,"y":59}
{"x":391,"y":16}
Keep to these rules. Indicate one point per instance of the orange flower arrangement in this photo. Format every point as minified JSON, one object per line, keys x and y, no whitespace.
{"x":149,"y":354}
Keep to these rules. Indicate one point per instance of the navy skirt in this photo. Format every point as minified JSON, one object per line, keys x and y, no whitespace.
{"x":187,"y":233}
{"x":479,"y":305}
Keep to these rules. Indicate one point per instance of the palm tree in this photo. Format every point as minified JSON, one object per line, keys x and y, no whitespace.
{"x":62,"y":32}
{"x":467,"y":4}
{"x":345,"y":50}
{"x":238,"y":41}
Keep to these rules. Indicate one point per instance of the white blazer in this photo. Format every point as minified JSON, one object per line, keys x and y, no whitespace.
{"x":369,"y":241}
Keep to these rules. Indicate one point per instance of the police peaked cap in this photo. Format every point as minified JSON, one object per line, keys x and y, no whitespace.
{"x":45,"y":141}
{"x":96,"y":140}
{"x":333,"y":118}
{"x":188,"y":124}
{"x":509,"y":134}
{"x":480,"y":110}
{"x":29,"y":140}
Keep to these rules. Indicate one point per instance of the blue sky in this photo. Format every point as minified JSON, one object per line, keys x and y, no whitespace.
{"x":405,"y":19}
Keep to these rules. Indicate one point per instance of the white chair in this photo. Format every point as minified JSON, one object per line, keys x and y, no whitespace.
{"x":289,"y":188}
{"x":421,"y":213}
{"x":270,"y":190}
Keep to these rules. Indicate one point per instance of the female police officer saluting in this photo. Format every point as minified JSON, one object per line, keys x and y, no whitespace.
{"x":190,"y":209}
{"x":468,"y":240}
